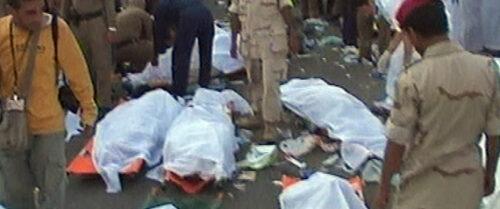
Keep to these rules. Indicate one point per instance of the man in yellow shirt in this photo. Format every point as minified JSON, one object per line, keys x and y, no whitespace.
{"x":42,"y":163}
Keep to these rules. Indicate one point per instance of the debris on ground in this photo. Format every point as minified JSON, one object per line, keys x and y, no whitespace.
{"x":259,"y":157}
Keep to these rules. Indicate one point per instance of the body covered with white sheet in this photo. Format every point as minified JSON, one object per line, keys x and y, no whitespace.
{"x":332,"y":108}
{"x":321,"y":191}
{"x":202,"y":139}
{"x":133,"y":130}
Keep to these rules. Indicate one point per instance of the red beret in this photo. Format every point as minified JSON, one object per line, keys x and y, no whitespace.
{"x":407,"y":7}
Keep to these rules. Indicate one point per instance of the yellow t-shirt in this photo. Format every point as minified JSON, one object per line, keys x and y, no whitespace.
{"x":45,"y":114}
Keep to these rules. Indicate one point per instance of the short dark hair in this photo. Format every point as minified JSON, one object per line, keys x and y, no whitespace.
{"x":428,"y":20}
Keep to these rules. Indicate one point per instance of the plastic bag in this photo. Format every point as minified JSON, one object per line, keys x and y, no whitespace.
{"x":133,"y":130}
{"x":321,"y":191}
{"x":221,"y":57}
{"x":72,"y":125}
{"x":202,"y":139}
{"x":332,"y":108}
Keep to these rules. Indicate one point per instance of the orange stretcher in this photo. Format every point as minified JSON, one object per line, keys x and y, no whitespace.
{"x":83,"y":165}
{"x":190,"y":186}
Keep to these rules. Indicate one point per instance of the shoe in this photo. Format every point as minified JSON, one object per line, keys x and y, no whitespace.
{"x":249,"y":122}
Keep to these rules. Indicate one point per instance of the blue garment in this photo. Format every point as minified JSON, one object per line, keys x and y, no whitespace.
{"x":191,"y":20}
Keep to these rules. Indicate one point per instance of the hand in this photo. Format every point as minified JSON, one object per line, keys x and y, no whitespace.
{"x":294,"y":42}
{"x":382,"y":199}
{"x":88,"y":132}
{"x":489,"y":185}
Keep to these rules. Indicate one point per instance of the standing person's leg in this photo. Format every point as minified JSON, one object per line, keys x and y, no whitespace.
{"x":48,"y":163}
{"x":16,"y":180}
{"x":181,"y":56}
{"x":365,"y":33}
{"x":102,"y":61}
{"x":313,"y":8}
{"x":254,"y":76}
{"x":304,"y":6}
{"x":274,"y":65}
{"x":384,"y":34}
{"x":205,"y":42}
{"x":349,"y":29}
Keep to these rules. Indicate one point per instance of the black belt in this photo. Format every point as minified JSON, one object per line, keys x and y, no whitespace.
{"x":77,"y":18}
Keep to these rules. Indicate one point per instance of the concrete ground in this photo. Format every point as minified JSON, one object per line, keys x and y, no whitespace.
{"x":85,"y":193}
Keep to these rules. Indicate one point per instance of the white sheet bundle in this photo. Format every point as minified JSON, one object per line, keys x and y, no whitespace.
{"x":133,"y":130}
{"x":202,"y":140}
{"x":321,"y":191}
{"x":341,"y":114}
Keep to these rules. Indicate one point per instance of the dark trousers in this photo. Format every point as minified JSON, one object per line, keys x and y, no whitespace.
{"x":350,"y":29}
{"x":196,"y":22}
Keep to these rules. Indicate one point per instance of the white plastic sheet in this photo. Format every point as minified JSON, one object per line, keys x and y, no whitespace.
{"x":321,"y":191}
{"x":221,"y":57}
{"x":133,"y":130}
{"x":202,"y":139}
{"x":72,"y":125}
{"x":330,"y":107}
{"x":221,"y":61}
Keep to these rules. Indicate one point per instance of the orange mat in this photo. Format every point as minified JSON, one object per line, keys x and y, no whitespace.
{"x":190,"y":186}
{"x":82,"y":164}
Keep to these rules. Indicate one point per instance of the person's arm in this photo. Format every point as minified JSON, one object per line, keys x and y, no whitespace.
{"x":493,"y":133}
{"x":287,"y":14}
{"x":162,"y":28}
{"x":400,"y":132}
{"x":75,"y":69}
{"x":492,"y":154}
{"x":385,"y":58}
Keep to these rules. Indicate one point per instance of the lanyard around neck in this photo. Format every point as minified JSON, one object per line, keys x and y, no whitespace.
{"x":13,"y":54}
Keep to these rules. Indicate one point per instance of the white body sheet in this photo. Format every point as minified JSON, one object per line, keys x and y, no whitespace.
{"x":330,"y":107}
{"x":134,"y":130}
{"x":202,"y":139}
{"x":321,"y":191}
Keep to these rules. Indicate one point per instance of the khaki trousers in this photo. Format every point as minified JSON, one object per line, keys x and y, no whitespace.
{"x":437,"y":190}
{"x":384,"y":34}
{"x":365,"y":34}
{"x":42,"y":166}
{"x":310,"y":8}
{"x":97,"y":51}
{"x":265,"y":75}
